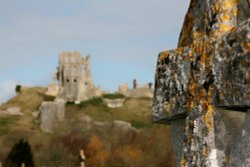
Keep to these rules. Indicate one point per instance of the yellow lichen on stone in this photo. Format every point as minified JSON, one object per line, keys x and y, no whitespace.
{"x":183,"y":56}
{"x":164,"y":55}
{"x":196,"y":34}
{"x":235,"y":12}
{"x":167,"y":107}
{"x":191,"y":55}
{"x":190,"y":104}
{"x":174,"y":101}
{"x":246,"y":45}
{"x":205,"y":152}
{"x":229,"y":4}
{"x":179,"y":50}
{"x":200,"y":96}
{"x":209,"y":109}
{"x":225,"y":17}
{"x":248,"y":75}
{"x":215,"y":33}
{"x":234,"y":29}
{"x":204,"y":57}
{"x":225,"y":27}
{"x":183,"y":162}
{"x":227,"y":11}
{"x":209,"y":120}
{"x":192,"y":88}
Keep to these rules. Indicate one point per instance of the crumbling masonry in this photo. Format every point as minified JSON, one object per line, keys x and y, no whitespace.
{"x":202,"y":88}
{"x":75,"y":82}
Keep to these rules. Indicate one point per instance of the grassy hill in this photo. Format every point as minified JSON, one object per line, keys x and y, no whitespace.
{"x":102,"y":132}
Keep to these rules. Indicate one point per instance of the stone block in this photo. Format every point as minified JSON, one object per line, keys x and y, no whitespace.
{"x":50,"y":113}
{"x":114,"y":103}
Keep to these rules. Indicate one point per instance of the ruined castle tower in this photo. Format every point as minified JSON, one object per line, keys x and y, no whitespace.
{"x":75,"y":82}
{"x":202,"y":88}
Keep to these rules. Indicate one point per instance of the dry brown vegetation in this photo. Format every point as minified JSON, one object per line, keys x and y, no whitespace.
{"x":89,"y":126}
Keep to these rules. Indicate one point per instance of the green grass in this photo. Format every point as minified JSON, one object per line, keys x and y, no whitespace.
{"x":134,"y":111}
{"x":145,"y":98}
{"x":113,"y":96}
{"x":137,"y":124}
{"x":93,"y":102}
{"x":29,"y":99}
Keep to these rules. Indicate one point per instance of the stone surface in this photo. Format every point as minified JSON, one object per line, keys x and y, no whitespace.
{"x":123,"y":88}
{"x":114,"y":103}
{"x":35,"y":114}
{"x":177,"y":137}
{"x":53,"y":90}
{"x":240,"y":152}
{"x":75,"y":82}
{"x":50,"y":113}
{"x":14,"y":111}
{"x":122,"y":125}
{"x":137,"y":91}
{"x":60,"y":113}
{"x":208,"y":72}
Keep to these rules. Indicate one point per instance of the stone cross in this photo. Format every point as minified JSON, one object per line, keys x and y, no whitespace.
{"x":202,"y":88}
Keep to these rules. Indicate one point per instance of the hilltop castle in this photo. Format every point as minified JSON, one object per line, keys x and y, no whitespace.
{"x":73,"y":82}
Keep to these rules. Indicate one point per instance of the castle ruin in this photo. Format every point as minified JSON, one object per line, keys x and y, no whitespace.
{"x":74,"y":78}
{"x":137,"y":91}
{"x":73,"y":83}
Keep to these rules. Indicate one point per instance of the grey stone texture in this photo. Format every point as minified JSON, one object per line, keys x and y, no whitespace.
{"x":52,"y":90}
{"x":177,"y":137}
{"x":240,"y":152}
{"x":114,"y":103}
{"x":202,"y":88}
{"x":51,"y":112}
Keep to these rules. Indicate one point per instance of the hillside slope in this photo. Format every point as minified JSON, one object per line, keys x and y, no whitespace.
{"x":119,"y":137}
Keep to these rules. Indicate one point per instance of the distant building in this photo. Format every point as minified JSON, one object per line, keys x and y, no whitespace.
{"x":73,"y":81}
{"x":137,"y":91}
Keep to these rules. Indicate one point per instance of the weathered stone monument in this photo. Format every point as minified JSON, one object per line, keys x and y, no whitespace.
{"x":75,"y":82}
{"x":202,"y":88}
{"x":50,"y":113}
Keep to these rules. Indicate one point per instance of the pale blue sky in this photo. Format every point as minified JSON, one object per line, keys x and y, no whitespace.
{"x":123,"y":37}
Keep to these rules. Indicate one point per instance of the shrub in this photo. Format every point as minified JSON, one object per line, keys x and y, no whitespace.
{"x":18,"y":88}
{"x":48,"y":98}
{"x":113,"y":96}
{"x":56,"y":154}
{"x":20,"y":153}
{"x":137,"y":124}
{"x":93,"y":101}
